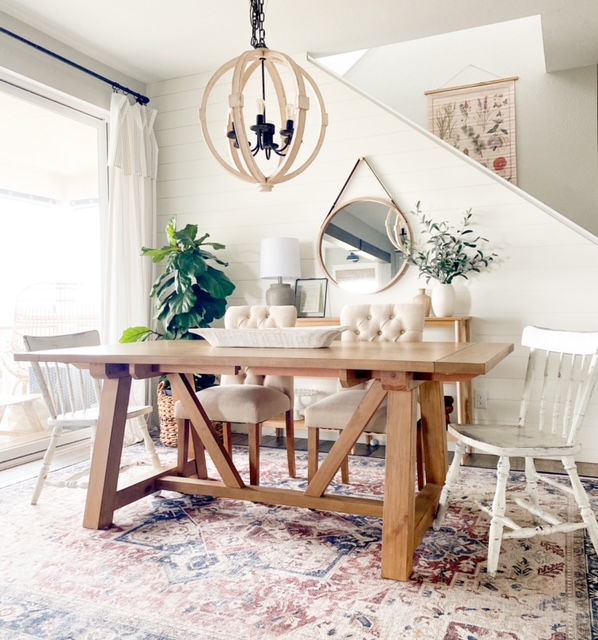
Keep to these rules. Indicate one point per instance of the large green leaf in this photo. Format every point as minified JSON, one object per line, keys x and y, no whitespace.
{"x":136,"y":334}
{"x":216,"y":283}
{"x":191,"y":263}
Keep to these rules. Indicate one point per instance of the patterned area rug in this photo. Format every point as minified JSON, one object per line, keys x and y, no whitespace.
{"x":175,"y":567}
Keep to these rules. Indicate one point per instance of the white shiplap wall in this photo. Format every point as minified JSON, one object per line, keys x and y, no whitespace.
{"x":546,"y":274}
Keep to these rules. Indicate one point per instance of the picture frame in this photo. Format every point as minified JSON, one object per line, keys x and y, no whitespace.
{"x":310,"y":297}
{"x":479,"y":120}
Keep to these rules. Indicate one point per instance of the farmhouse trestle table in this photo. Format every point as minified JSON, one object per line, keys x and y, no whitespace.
{"x":402,"y":373}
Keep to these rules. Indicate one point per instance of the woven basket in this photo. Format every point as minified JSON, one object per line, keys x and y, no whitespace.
{"x":168,"y":426}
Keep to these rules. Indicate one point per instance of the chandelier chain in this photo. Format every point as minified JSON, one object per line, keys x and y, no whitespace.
{"x":258,"y":33}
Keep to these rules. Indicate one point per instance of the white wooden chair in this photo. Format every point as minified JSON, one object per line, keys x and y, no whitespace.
{"x":561,"y":374}
{"x":249,"y":399}
{"x":366,"y":322}
{"x":72,"y":398}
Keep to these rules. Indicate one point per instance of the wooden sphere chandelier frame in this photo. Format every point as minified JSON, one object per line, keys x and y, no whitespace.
{"x":247,"y":156}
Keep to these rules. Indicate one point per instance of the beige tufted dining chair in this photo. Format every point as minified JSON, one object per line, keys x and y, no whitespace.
{"x":366,"y":322}
{"x":247,"y":398}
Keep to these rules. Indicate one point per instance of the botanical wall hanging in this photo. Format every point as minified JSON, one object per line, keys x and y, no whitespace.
{"x":479,"y":120}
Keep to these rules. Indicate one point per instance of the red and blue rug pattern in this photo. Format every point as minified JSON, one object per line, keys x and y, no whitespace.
{"x":177,"y":567}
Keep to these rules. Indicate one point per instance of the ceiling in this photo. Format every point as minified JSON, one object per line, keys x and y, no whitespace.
{"x":153,"y":40}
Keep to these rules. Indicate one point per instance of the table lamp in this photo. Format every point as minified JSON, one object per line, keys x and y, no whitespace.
{"x":280,"y":259}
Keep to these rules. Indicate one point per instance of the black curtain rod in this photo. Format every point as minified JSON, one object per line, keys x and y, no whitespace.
{"x":141,"y":99}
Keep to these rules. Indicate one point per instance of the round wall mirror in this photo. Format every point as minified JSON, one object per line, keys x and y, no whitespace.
{"x":354,"y":248}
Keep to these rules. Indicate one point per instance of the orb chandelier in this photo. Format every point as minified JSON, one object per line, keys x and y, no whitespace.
{"x":276,"y":87}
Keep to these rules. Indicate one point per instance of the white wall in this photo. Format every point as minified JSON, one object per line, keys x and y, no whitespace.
{"x":546,"y":274}
{"x":556,"y":113}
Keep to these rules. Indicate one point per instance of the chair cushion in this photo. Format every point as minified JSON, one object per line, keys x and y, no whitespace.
{"x":335,"y":411}
{"x":246,"y":403}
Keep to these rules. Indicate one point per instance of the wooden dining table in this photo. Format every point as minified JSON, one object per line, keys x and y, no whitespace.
{"x":402,"y":373}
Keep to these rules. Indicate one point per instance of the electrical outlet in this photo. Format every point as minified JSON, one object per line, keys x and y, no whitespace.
{"x":480,"y":400}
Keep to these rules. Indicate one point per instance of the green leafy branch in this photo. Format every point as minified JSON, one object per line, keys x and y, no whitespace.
{"x":448,"y":253}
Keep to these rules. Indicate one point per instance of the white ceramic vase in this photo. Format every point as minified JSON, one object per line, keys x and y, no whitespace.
{"x":443,"y":300}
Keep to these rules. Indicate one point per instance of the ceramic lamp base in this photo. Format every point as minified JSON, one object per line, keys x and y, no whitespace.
{"x":280,"y":294}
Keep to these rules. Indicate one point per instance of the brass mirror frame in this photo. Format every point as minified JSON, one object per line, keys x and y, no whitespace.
{"x":392,"y":208}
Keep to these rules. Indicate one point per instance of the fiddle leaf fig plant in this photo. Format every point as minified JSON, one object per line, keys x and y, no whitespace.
{"x":190,"y":292}
{"x":448,"y":252}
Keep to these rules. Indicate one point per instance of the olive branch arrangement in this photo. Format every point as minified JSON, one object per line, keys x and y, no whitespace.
{"x":448,"y":252}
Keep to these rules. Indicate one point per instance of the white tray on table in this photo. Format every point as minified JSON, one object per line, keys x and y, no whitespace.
{"x":287,"y":338}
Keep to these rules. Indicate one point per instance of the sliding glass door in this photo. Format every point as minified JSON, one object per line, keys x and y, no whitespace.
{"x":51,"y":189}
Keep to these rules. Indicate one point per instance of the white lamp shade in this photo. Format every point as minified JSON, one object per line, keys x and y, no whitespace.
{"x":280,"y":258}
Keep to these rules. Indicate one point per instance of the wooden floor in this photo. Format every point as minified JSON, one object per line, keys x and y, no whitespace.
{"x":479,"y":460}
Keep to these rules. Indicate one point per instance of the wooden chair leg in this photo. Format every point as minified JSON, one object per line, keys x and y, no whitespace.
{"x":199,"y":451}
{"x":313,"y":450}
{"x":227,"y":437}
{"x":290,"y":431}
{"x":254,"y":432}
{"x":345,"y":471}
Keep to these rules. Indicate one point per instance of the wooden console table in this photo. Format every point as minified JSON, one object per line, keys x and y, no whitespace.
{"x":461,"y":326}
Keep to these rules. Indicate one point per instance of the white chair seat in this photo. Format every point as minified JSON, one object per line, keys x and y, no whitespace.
{"x":508,"y":439}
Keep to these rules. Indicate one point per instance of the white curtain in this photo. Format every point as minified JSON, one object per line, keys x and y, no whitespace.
{"x":130,"y":224}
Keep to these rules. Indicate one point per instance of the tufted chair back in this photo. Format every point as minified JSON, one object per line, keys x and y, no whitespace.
{"x":383,"y":322}
{"x":366,"y":322}
{"x":260,"y":317}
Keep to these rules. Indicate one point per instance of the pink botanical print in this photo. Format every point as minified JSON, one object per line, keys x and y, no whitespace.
{"x":479,"y":120}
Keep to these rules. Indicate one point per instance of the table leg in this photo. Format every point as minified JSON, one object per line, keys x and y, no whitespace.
{"x":398,"y":528}
{"x":434,"y":432}
{"x":107,"y":452}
